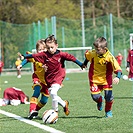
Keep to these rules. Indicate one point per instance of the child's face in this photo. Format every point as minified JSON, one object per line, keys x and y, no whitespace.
{"x":100,"y":50}
{"x":41,"y":48}
{"x":51,"y":47}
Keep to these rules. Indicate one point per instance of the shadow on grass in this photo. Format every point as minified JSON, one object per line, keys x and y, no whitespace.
{"x":123,"y":97}
{"x":68,"y":117}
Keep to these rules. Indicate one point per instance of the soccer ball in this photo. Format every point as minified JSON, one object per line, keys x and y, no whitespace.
{"x":125,"y":77}
{"x":50,"y":117}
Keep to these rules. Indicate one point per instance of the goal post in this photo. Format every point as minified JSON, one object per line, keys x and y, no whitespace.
{"x":78,"y":52}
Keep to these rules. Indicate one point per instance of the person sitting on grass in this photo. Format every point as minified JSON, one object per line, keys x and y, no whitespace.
{"x":14,"y":96}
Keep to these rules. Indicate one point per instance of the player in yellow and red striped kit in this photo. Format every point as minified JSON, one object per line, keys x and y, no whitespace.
{"x":102,"y":66}
{"x":39,"y":83}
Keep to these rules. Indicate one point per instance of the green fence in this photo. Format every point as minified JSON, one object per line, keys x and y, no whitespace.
{"x":22,"y":37}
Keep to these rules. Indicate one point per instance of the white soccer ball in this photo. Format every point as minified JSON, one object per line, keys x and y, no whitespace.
{"x":50,"y":117}
{"x":125,"y":77}
{"x":5,"y":82}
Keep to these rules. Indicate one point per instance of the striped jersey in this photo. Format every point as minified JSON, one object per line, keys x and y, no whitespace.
{"x":102,"y":67}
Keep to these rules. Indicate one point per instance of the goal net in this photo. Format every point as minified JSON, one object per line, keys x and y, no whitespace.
{"x":78,"y":52}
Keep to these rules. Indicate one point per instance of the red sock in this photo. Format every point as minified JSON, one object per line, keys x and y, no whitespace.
{"x":99,"y":100}
{"x":39,"y":106}
{"x":108,"y":106}
{"x":32,"y":106}
{"x":33,"y":103}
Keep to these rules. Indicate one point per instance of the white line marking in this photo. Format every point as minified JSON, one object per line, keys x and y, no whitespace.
{"x":36,"y":124}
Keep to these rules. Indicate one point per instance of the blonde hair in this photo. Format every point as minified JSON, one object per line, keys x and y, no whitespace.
{"x":40,"y":42}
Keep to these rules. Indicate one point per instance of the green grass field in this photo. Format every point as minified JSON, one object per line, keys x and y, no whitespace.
{"x":84,"y":116}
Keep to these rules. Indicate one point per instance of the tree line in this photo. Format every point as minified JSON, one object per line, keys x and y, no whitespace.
{"x":29,"y":11}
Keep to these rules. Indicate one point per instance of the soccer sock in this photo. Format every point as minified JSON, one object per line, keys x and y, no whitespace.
{"x":55,"y":104}
{"x":99,"y":99}
{"x":33,"y":103}
{"x":39,"y":106}
{"x":61,"y":102}
{"x":108,"y":106}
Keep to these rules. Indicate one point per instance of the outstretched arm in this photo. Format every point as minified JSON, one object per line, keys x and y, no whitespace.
{"x":78,"y":62}
{"x":117,"y":78}
{"x":24,"y":62}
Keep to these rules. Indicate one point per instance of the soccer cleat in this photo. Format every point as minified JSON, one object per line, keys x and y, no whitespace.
{"x":66,"y":110}
{"x":100,"y":105}
{"x":130,"y":79}
{"x":19,"y":76}
{"x":32,"y":114}
{"x":109,"y":114}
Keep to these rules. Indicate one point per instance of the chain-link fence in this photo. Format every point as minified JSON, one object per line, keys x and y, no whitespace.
{"x":22,"y":37}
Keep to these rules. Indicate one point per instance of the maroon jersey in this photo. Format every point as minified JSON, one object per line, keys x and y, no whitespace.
{"x":130,"y":59}
{"x":14,"y":93}
{"x":55,"y":72}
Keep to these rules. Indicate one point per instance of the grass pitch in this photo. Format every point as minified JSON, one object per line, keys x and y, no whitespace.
{"x":84,"y":116}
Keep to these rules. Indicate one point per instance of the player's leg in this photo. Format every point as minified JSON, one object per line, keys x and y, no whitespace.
{"x":42,"y":102}
{"x":53,"y":93}
{"x":44,"y":97}
{"x":96,"y":96}
{"x":34,"y":101}
{"x":64,"y":104}
{"x":108,"y":102}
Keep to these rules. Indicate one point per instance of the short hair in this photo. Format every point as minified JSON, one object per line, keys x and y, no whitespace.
{"x":100,"y":42}
{"x":50,"y":39}
{"x":39,"y":42}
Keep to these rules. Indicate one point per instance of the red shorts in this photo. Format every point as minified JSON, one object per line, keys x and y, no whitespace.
{"x":96,"y":89}
{"x":44,"y":88}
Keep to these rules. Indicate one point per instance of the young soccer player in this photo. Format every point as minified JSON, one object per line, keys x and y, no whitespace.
{"x":39,"y":83}
{"x":1,"y":66}
{"x":119,"y":58}
{"x":14,"y":96}
{"x":17,"y":63}
{"x":102,"y":66}
{"x":129,"y":66}
{"x":55,"y":73}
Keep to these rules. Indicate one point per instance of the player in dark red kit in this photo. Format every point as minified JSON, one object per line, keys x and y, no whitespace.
{"x":1,"y":66}
{"x":14,"y":96}
{"x":119,"y":58}
{"x":55,"y":74}
{"x":129,"y":67}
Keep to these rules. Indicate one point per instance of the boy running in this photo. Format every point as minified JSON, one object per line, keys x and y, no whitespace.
{"x":102,"y":66}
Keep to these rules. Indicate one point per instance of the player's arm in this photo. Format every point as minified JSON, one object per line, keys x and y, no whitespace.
{"x":27,"y":56}
{"x":117,"y":78}
{"x":24,"y":62}
{"x":78,"y":63}
{"x":70,"y":57}
{"x":118,"y":75}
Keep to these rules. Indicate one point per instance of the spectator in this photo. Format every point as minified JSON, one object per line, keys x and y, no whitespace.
{"x":17,"y":63}
{"x":1,"y":66}
{"x":119,"y":58}
{"x":129,"y":66}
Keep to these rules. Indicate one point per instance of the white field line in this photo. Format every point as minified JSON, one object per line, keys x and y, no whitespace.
{"x":30,"y":122}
